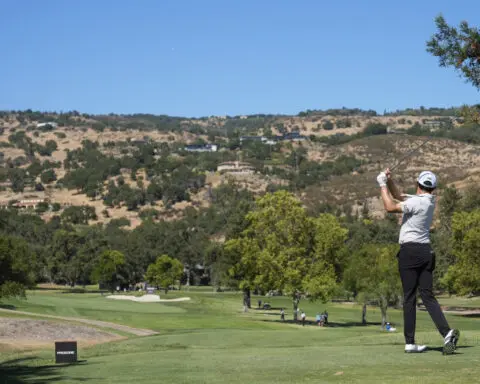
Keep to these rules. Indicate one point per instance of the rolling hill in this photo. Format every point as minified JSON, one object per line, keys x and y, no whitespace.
{"x":27,"y":138}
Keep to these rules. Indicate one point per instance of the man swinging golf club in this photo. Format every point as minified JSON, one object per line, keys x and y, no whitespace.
{"x":416,"y":259}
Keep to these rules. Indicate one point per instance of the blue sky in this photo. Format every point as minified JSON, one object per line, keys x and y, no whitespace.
{"x":216,"y":57}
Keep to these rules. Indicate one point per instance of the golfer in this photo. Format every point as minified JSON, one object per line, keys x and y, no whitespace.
{"x":416,"y":259}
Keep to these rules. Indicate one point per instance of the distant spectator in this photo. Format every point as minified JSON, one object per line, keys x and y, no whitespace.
{"x":259,"y":303}
{"x":303,"y":318}
{"x":282,"y":314}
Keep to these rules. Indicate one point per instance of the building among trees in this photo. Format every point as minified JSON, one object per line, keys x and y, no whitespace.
{"x":201,"y":148}
{"x":236,"y":167}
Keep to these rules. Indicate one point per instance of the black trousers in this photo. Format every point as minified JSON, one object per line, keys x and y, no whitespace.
{"x":416,"y":263}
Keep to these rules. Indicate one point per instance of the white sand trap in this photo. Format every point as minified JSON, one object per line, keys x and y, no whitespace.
{"x":146,"y":298}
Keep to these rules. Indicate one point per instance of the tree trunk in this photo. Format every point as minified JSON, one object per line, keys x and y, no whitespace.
{"x":383,"y":308}
{"x":188,"y":278}
{"x":246,"y":300}
{"x":364,"y":314}
{"x":296,"y":301}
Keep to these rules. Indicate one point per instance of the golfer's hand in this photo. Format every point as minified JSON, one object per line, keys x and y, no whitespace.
{"x":388,"y":173}
{"x":382,"y":179}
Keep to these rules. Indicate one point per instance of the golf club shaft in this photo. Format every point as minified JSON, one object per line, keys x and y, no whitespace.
{"x":410,"y":153}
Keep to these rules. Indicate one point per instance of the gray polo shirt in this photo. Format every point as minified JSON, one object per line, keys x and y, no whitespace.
{"x":417,"y":218}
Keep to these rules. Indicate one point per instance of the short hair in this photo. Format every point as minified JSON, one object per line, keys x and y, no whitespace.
{"x":425,"y":189}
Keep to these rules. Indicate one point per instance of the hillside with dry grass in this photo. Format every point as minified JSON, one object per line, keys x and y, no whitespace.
{"x":454,"y":161}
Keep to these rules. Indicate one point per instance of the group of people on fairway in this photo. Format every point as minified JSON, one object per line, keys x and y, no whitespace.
{"x":321,"y":319}
{"x":416,"y":259}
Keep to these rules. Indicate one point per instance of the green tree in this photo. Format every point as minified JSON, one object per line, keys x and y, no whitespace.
{"x":328,"y":125}
{"x":48,"y":176}
{"x":51,"y":145}
{"x":63,"y":263}
{"x":56,"y":207}
{"x":108,"y":269}
{"x":79,"y":214}
{"x":164,"y":272}
{"x":278,"y":252}
{"x":441,"y":238}
{"x":16,"y":267}
{"x":375,"y":129}
{"x":330,"y":238}
{"x":458,"y":48}
{"x":17,"y":178}
{"x":464,"y":274}
{"x":42,"y":207}
{"x":372,"y":274}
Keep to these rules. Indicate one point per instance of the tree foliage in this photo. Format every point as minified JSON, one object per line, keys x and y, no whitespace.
{"x":17,"y":262}
{"x":372,"y":274}
{"x":464,"y":274}
{"x":79,"y":214}
{"x":165,"y":272}
{"x":108,"y":269}
{"x":278,"y":251}
{"x":457,"y":47}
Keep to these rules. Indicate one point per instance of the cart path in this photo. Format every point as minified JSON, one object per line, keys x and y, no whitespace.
{"x":97,"y":323}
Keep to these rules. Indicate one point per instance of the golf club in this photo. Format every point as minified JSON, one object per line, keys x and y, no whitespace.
{"x":411,"y":153}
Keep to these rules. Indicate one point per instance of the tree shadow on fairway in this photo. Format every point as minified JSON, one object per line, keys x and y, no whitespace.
{"x":69,"y":290}
{"x":18,"y":371}
{"x":271,"y":309}
{"x":8,"y":306}
{"x":353,"y":324}
{"x":469,"y":315}
{"x":311,"y":323}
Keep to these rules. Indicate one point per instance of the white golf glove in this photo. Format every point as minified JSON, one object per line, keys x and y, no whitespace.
{"x":382,"y":179}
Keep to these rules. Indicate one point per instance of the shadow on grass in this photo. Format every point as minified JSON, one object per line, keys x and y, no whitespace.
{"x":18,"y":371}
{"x":48,"y":288}
{"x":69,"y":290}
{"x":8,"y":306}
{"x":440,"y":349}
{"x":269,"y":309}
{"x":81,"y":290}
{"x":469,"y":315}
{"x":330,"y":324}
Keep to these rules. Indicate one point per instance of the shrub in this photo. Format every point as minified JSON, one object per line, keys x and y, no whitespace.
{"x":328,"y":125}
{"x":60,"y":135}
{"x":56,"y":207}
{"x":375,"y":129}
{"x":42,"y":207}
{"x":48,"y":176}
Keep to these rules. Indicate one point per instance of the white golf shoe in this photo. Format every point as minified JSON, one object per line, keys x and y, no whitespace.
{"x":451,"y":340}
{"x":414,"y":348}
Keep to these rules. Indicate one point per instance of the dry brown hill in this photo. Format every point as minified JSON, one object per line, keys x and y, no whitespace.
{"x":455,"y":162}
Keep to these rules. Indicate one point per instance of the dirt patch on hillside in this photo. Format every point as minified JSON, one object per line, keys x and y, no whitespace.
{"x":30,"y":334}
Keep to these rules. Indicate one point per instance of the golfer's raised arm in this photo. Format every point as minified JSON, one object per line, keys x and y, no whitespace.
{"x":392,"y":187}
{"x":388,"y":202}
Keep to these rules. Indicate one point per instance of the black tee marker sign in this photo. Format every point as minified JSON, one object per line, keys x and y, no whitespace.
{"x":65,"y":352}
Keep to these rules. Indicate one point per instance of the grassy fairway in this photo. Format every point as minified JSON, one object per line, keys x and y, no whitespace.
{"x":209,"y":340}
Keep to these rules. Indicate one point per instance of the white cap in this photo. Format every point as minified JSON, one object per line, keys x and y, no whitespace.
{"x":427,"y":179}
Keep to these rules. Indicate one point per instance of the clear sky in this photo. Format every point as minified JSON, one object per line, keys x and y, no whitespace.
{"x":217,"y":57}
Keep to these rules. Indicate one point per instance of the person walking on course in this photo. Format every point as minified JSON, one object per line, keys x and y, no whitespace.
{"x":416,"y":259}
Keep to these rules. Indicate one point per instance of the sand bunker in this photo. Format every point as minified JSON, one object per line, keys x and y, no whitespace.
{"x":146,"y":298}
{"x":18,"y":333}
